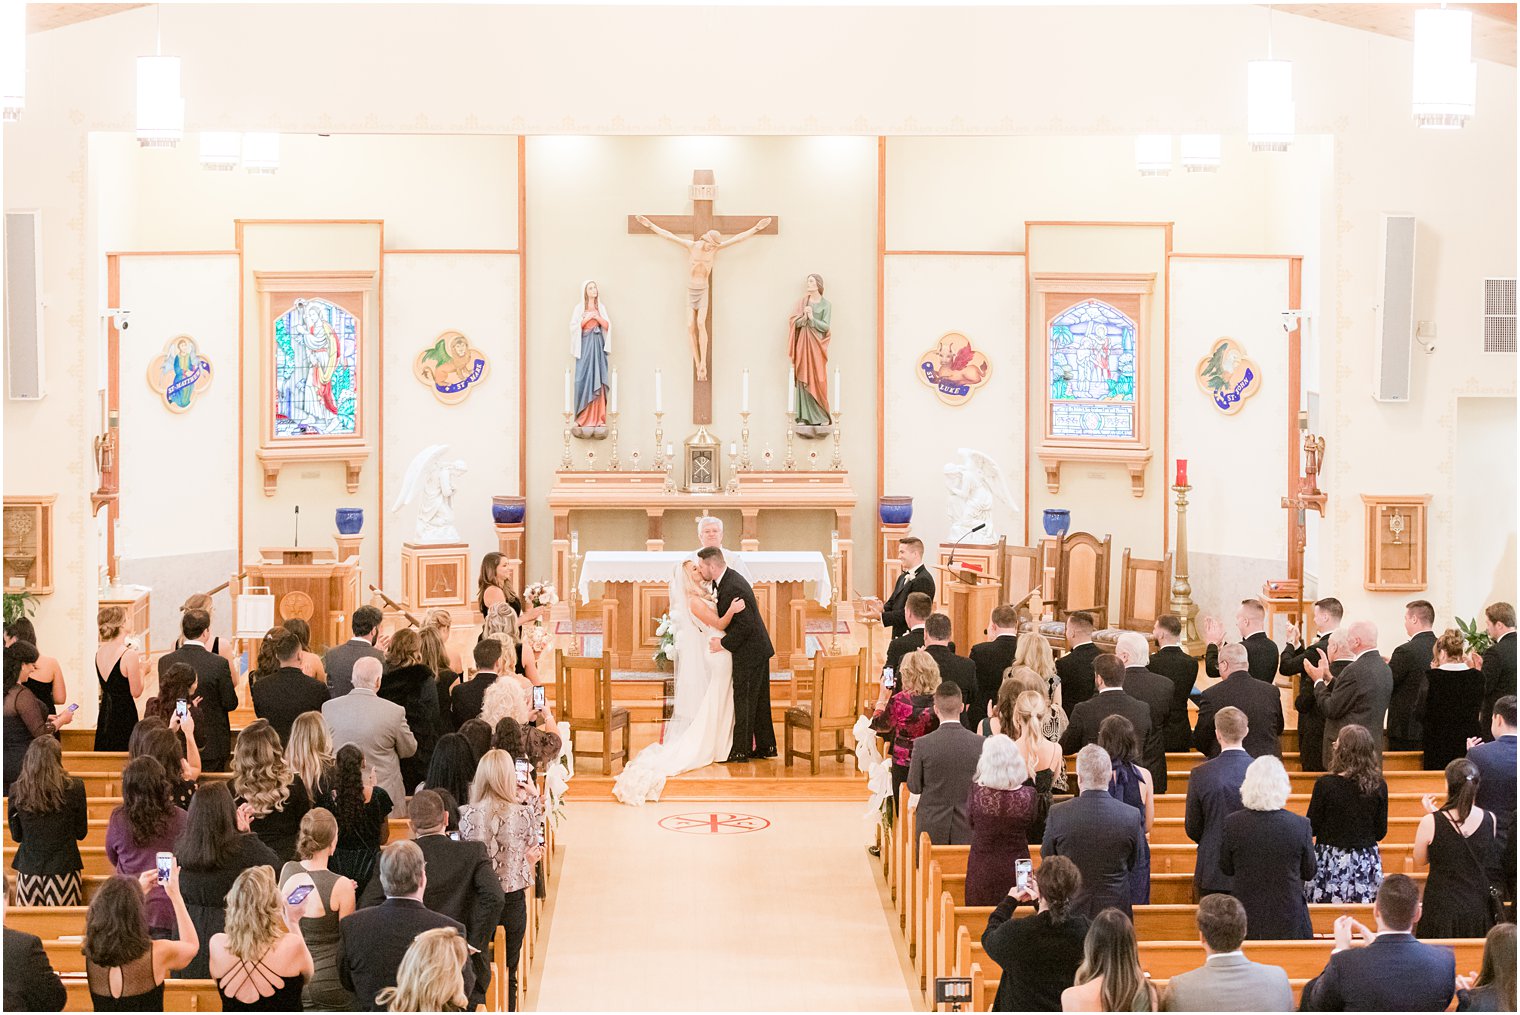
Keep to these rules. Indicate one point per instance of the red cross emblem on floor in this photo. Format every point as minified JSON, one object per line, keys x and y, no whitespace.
{"x":714,"y":823}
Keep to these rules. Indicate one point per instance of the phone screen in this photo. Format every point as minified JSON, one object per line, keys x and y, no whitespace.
{"x":165,"y":865}
{"x":888,"y":678}
{"x":299,"y":895}
{"x":524,"y":772}
{"x":454,"y":836}
{"x":538,"y":697}
{"x":541,"y":835}
{"x":1021,"y":869}
{"x":182,"y":708}
{"x":73,"y":708}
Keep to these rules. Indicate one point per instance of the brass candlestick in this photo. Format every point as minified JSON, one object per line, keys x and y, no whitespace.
{"x":791,"y":461}
{"x":733,"y":470}
{"x":838,"y":462}
{"x":659,"y":441}
{"x":1182,"y":591}
{"x":574,"y":590}
{"x":744,"y":440}
{"x":565,"y":464}
{"x":667,"y":465}
{"x":834,"y":559}
{"x":612,"y":432}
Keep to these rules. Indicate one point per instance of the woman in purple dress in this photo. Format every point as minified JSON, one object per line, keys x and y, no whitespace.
{"x":1000,"y":810}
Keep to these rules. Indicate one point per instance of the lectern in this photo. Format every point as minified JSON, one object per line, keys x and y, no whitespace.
{"x":310,"y":584}
{"x":970,"y":598}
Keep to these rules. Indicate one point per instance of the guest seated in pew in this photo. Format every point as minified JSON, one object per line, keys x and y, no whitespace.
{"x":1111,"y":699}
{"x":1110,"y":977}
{"x":1131,"y":784}
{"x":178,"y":682}
{"x":276,"y":796}
{"x":430,"y":977}
{"x":124,"y":961}
{"x":1039,"y":954}
{"x":48,"y":816}
{"x":905,"y":715}
{"x":152,"y":739}
{"x":1153,"y":689}
{"x":26,"y":717}
{"x":1213,"y":794}
{"x":1459,"y":841}
{"x":310,"y":757}
{"x":1173,"y":663}
{"x":1034,"y":652}
{"x":287,"y":692}
{"x":1075,"y":668}
{"x":1386,"y":971}
{"x":1001,"y":810}
{"x":1449,"y":709}
{"x":1348,"y":812}
{"x":1490,"y":989}
{"x":30,"y":983}
{"x":956,"y":669}
{"x":1227,"y":980}
{"x":214,"y":694}
{"x":213,"y":851}
{"x":1259,"y":701}
{"x":994,"y":657}
{"x":260,"y":962}
{"x":916,"y":610}
{"x":1496,"y":783}
{"x":145,"y":824}
{"x":943,"y":766}
{"x":1269,"y":852}
{"x":335,"y":897}
{"x":1099,"y":834}
{"x":363,"y":811}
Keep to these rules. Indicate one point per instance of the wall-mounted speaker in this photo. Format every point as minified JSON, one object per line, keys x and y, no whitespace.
{"x":23,"y":305}
{"x":1392,"y":363}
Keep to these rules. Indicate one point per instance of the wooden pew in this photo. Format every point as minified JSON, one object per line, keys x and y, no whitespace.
{"x":89,"y":884}
{"x":1303,"y":782}
{"x":1167,"y":858}
{"x":1393,"y":761}
{"x":179,"y":995}
{"x":1171,"y":831}
{"x":400,"y":828}
{"x":1400,"y":805}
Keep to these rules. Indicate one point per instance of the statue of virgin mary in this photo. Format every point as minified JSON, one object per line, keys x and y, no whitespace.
{"x":590,"y":343}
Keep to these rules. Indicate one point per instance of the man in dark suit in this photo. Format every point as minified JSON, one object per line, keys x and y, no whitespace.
{"x":1251,"y":620}
{"x":1311,"y":724}
{"x":1409,"y":663}
{"x":287,"y":692}
{"x":1097,"y":832}
{"x":943,"y":765}
{"x":917,"y":610}
{"x":1173,"y":663}
{"x":957,"y":669}
{"x":750,"y":644}
{"x":1111,"y":699}
{"x":1156,"y":691}
{"x":1213,"y":794}
{"x":339,"y":660}
{"x":1387,"y":972}
{"x":1360,"y":694}
{"x":992,"y":658}
{"x":30,"y":983}
{"x":469,"y":696}
{"x":216,"y":694}
{"x":1498,"y":663}
{"x":372,"y":942}
{"x":1496,"y":782}
{"x":460,"y":882}
{"x":1075,"y":668}
{"x":915,"y":577}
{"x":1261,"y":704}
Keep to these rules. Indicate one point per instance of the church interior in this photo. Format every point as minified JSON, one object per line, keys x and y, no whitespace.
{"x":1178,"y":323}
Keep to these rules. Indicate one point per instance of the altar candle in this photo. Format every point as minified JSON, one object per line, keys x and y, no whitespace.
{"x":838,"y":393}
{"x":791,"y":390}
{"x":670,"y":451}
{"x":659,"y":400}
{"x":834,"y":541}
{"x":575,"y":541}
{"x":733,"y":449}
{"x":567,"y":390}
{"x":1182,"y":472}
{"x":744,"y":400}
{"x":612,"y":392}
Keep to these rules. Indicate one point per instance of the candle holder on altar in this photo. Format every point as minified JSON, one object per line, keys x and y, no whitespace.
{"x":667,"y":464}
{"x":591,"y":461}
{"x":733,"y":470}
{"x":1182,"y":590}
{"x":838,"y":462}
{"x":791,"y":460}
{"x":565,"y":463}
{"x":573,"y":593}
{"x":612,"y":431}
{"x":834,"y":559}
{"x":659,"y":441}
{"x":744,"y":462}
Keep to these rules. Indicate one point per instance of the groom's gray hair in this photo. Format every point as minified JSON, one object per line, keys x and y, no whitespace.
{"x":709,"y":552}
{"x":703,"y":520}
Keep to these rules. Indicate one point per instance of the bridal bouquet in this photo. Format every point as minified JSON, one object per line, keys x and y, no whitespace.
{"x":666,"y":632}
{"x":536,"y":595}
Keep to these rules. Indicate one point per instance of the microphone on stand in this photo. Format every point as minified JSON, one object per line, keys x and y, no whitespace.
{"x":298,"y":525}
{"x":964,"y":536}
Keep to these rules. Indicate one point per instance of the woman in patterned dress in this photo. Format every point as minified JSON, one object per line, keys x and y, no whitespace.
{"x":1348,"y":811}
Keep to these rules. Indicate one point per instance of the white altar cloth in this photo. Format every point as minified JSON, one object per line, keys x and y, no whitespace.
{"x":656,"y":567}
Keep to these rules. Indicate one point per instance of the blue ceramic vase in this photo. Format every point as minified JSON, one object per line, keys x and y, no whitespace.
{"x":1057,"y":521}
{"x":508,"y":510}
{"x":896,"y":510}
{"x":350,"y":520}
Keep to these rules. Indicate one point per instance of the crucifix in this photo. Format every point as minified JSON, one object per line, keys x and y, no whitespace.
{"x":706,"y":231}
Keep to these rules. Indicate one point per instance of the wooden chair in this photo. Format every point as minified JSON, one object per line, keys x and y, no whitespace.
{"x":1022,"y":571}
{"x":831,"y":703}
{"x":1145,"y":590}
{"x":583,"y":696}
{"x":1082,"y":576}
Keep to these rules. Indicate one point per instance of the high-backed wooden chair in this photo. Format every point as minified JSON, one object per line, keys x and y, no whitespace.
{"x":1145,"y":590}
{"x":1022,"y":571}
{"x":831,"y":704}
{"x":1082,"y":576}
{"x":583,"y":698}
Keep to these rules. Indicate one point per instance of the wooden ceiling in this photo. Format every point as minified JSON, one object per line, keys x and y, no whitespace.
{"x":1493,"y":24}
{"x":42,"y":17}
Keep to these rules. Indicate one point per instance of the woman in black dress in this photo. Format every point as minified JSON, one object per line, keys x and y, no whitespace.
{"x":435,"y":656}
{"x":212,"y":851}
{"x":1348,"y":812}
{"x":1450,"y":703}
{"x":175,"y":684}
{"x":262,"y":780}
{"x":118,"y":667}
{"x":125,"y":968}
{"x":152,"y":739}
{"x":26,"y":718}
{"x":48,"y":815}
{"x":1269,"y":851}
{"x":260,"y":962}
{"x":452,"y":770}
{"x":1458,"y":841}
{"x":1039,"y":954}
{"x":409,"y":683}
{"x":46,"y":681}
{"x":363,"y":812}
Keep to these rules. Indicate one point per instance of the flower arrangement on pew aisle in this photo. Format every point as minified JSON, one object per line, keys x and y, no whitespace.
{"x":665,"y":655}
{"x":878,"y":771}
{"x":558,"y":775}
{"x":539,"y":594}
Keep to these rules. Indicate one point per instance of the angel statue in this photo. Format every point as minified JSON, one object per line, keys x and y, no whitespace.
{"x":975,"y":484}
{"x":434,"y":478}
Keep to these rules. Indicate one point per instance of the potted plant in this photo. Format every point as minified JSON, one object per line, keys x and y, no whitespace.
{"x":18,"y":605}
{"x":1473,"y":634}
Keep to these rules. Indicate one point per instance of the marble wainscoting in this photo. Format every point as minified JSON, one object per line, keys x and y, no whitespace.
{"x":174,"y":578}
{"x":1221,"y":581}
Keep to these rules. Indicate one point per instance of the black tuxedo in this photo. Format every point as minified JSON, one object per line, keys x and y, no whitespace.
{"x":992,"y":659}
{"x":1088,"y":716}
{"x":899,"y":647}
{"x":1156,"y":691}
{"x":892,"y":611}
{"x":30,"y":983}
{"x":1498,"y":678}
{"x":1410,"y":663}
{"x":462,"y":887}
{"x":468,"y":698}
{"x":372,"y":942}
{"x":1075,"y":669}
{"x":285,"y":694}
{"x":1182,"y":670}
{"x":1261,"y":653}
{"x":750,"y":644}
{"x":1291,"y":663}
{"x":1311,"y":721}
{"x":218,"y":695}
{"x":962,"y":672}
{"x":1262,"y":705}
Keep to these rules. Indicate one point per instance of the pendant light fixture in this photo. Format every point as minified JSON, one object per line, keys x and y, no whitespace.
{"x":261,"y":152}
{"x":1269,"y":100}
{"x":160,"y":109}
{"x":1200,"y":153}
{"x":221,"y":150}
{"x":1445,"y":75}
{"x":1153,"y":154}
{"x":12,"y":58}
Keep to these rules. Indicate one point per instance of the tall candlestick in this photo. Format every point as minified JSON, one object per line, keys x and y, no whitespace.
{"x":612,"y":392}
{"x":1182,"y":590}
{"x":575,"y":541}
{"x":791,"y":392}
{"x":568,"y":406}
{"x":659,"y":393}
{"x":744,"y":399}
{"x":838,"y":393}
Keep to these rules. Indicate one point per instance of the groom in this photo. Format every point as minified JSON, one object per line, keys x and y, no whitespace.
{"x":750,"y":645}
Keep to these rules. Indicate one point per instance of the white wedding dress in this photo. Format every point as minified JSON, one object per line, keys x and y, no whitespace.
{"x":701,"y":728}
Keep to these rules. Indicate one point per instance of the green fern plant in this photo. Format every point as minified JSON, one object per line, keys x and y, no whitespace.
{"x":1476,"y":637}
{"x":18,"y":605}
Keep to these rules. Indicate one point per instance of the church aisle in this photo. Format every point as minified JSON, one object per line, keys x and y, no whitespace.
{"x":720,"y":914}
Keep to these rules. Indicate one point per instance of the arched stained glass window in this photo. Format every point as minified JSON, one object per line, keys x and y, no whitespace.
{"x":316,"y":367}
{"x":1091,"y":351}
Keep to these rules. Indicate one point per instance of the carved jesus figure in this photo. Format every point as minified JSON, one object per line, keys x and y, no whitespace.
{"x":699,"y":280}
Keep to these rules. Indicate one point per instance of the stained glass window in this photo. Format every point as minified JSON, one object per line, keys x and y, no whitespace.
{"x":316,"y":366}
{"x":1092,"y":372}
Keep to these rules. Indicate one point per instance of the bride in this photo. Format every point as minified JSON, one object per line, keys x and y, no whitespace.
{"x":701,"y":731}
